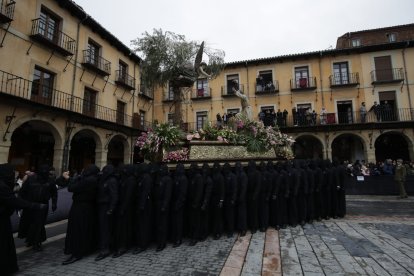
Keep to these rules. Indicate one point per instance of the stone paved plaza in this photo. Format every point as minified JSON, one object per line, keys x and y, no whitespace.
{"x":356,"y":245}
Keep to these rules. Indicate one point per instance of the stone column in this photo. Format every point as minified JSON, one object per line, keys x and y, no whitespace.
{"x":101,"y":158}
{"x":58,"y":159}
{"x":4,"y":151}
{"x":370,"y":155}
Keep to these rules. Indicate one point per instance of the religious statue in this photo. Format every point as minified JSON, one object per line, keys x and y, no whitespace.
{"x":246,"y":107}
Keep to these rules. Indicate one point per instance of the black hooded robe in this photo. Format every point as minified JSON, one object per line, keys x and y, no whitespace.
{"x":179,"y":196}
{"x":230,"y":182}
{"x":241,"y":199}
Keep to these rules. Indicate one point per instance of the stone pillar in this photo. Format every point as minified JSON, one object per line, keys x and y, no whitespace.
{"x":370,"y":155}
{"x":101,"y":158}
{"x":328,"y":154}
{"x":58,"y":159}
{"x":4,"y":151}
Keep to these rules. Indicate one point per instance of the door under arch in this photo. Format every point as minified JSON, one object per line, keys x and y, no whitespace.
{"x":82,"y":150}
{"x":391,"y":146}
{"x":116,"y":151}
{"x":348,"y":147}
{"x":307,"y":147}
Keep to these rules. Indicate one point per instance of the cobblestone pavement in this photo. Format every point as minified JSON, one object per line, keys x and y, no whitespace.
{"x":355,"y":245}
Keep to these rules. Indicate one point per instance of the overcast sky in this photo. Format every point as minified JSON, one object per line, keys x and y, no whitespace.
{"x":250,"y":29}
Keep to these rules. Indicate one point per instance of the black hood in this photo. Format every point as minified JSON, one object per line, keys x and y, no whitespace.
{"x":263,"y":166}
{"x":193,"y":169}
{"x":127,"y":170}
{"x":154,"y":168}
{"x":206,"y":169}
{"x":312,"y":164}
{"x":107,"y":172}
{"x":141,"y":169}
{"x":92,"y":169}
{"x":327,"y":163}
{"x":251,"y":166}
{"x":43,"y":172}
{"x":287,"y":166}
{"x":216,"y":167}
{"x":270,"y":166}
{"x":7,"y":174}
{"x":163,"y":170}
{"x":226,"y":168}
{"x":296,"y":163}
{"x":238,"y":167}
{"x":179,"y":170}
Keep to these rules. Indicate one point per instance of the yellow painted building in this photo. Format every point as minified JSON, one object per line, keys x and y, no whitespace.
{"x":69,"y":89}
{"x":338,"y":80}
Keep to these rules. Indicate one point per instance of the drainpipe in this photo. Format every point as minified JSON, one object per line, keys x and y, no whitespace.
{"x":406,"y":80}
{"x":320,"y":77}
{"x":131,"y":157}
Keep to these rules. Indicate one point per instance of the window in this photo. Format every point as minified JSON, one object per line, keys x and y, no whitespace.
{"x":170,"y":118}
{"x":233,"y":111}
{"x":302,"y":77}
{"x":170,"y":93}
{"x":201,"y":118}
{"x":392,"y":37}
{"x":232,"y":82}
{"x":341,"y":74}
{"x":49,"y":25}
{"x":123,"y":71}
{"x":264,"y":81}
{"x":202,"y":88}
{"x":120,"y":112}
{"x":356,"y":42}
{"x":89,"y":102}
{"x":94,"y":52}
{"x":42,"y":87}
{"x":266,"y":108}
{"x":142,"y":118}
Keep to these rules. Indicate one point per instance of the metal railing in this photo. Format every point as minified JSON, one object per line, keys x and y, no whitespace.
{"x":97,"y":62}
{"x":7,"y":10}
{"x":41,"y":28}
{"x":227,"y":90}
{"x":145,"y":91}
{"x":125,"y":79}
{"x":22,"y":88}
{"x":344,"y":79}
{"x":387,"y":75}
{"x":267,"y":88}
{"x":201,"y":93}
{"x":303,"y":83}
{"x":168,"y":96}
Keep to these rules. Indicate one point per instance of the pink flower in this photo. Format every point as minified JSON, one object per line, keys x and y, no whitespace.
{"x":219,"y":138}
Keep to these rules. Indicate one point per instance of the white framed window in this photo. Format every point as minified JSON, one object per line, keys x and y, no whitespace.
{"x":170,"y":118}
{"x":201,"y":119}
{"x":356,"y":42}
{"x":392,"y":37}
{"x":302,"y":76}
{"x":232,"y":81}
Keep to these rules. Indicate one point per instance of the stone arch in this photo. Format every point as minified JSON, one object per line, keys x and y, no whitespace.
{"x":308,"y":146}
{"x":119,"y":150}
{"x":349,"y":147}
{"x":34,"y":142}
{"x":393,"y":145}
{"x":85,"y":144}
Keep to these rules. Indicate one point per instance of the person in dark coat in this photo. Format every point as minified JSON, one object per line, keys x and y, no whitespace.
{"x":264,"y":197}
{"x":301,"y":199}
{"x":195,"y":201}
{"x":230,"y":199}
{"x":282,"y":197}
{"x":124,"y":215}
{"x":107,"y":200}
{"x":81,"y":230}
{"x":8,"y":204}
{"x":253,"y":192}
{"x":327,"y":190}
{"x":293,"y":183}
{"x":310,"y":173}
{"x":319,"y":190}
{"x":162,"y":197}
{"x":179,"y":196}
{"x":205,"y":210}
{"x":340,"y":173}
{"x":217,"y":200}
{"x":274,"y":189}
{"x":38,"y":188}
{"x":143,"y":207}
{"x":242,"y":180}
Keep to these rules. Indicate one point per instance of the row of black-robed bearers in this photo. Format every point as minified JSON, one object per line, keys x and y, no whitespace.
{"x":129,"y":207}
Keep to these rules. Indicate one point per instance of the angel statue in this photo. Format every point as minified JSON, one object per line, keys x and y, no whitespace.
{"x":246,"y":107}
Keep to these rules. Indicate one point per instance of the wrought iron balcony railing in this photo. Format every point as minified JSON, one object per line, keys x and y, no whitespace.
{"x":299,"y":84}
{"x":6,"y":10}
{"x":168,"y":96}
{"x":44,"y":33}
{"x":96,"y":63}
{"x":387,"y":75}
{"x":267,"y":88}
{"x":344,"y":79}
{"x":227,"y":90}
{"x":146,"y":92}
{"x":201,"y":93}
{"x":16,"y":86}
{"x":125,"y":80}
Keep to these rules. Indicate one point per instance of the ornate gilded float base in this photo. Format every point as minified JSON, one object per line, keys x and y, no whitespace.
{"x":211,"y":150}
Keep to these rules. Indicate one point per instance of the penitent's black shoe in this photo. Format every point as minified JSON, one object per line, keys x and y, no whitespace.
{"x":71,"y":260}
{"x":160,"y":248}
{"x":102,"y":256}
{"x":193,"y":242}
{"x":176,"y":244}
{"x":138,"y":250}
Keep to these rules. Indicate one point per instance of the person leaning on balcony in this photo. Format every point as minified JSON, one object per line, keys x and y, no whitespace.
{"x":363,"y":112}
{"x":377,"y":111}
{"x":399,"y":177}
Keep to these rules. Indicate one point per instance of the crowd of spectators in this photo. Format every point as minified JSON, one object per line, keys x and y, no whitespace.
{"x":387,"y":167}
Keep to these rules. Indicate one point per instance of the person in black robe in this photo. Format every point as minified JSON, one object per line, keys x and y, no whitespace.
{"x":143,"y":207}
{"x":282,"y":197}
{"x":264,"y":197}
{"x":162,"y":197}
{"x":319,"y":190}
{"x":341,"y":174}
{"x":253,"y":192}
{"x":327,"y":190}
{"x":8,"y":204}
{"x":310,"y":173}
{"x":293,"y":178}
{"x":205,"y":210}
{"x":107,"y":200}
{"x":241,"y":199}
{"x":179,"y":196}
{"x":38,"y":188}
{"x":124,"y":215}
{"x":195,"y":201}
{"x":274,"y":189}
{"x":300,"y":166}
{"x":81,"y":230}
{"x":230,"y":184}
{"x":217,"y":200}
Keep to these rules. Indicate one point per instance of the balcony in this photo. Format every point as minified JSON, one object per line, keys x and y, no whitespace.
{"x":125,"y":80}
{"x":392,"y":75}
{"x":271,"y":87}
{"x":146,"y":92}
{"x":168,"y":96}
{"x":96,"y":63}
{"x":22,"y":89}
{"x":303,"y":84}
{"x":227,"y":91}
{"x":6,"y":11}
{"x":344,"y":80}
{"x":54,"y":39}
{"x":201,"y":94}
